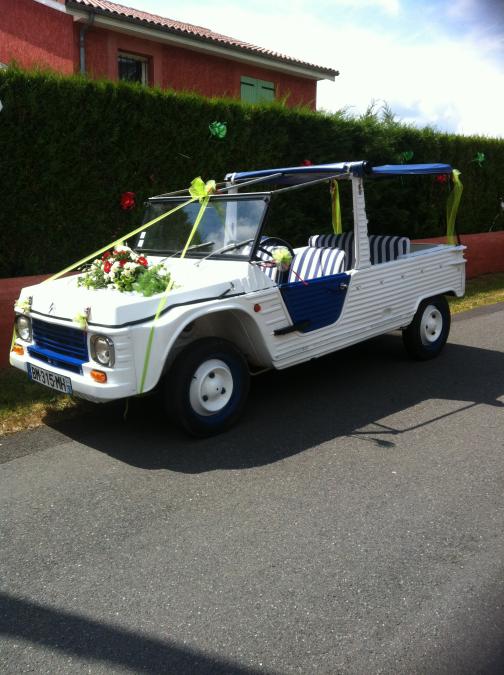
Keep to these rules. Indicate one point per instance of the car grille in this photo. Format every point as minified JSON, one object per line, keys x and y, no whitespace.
{"x":61,"y":346}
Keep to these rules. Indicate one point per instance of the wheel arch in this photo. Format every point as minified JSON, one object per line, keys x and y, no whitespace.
{"x":429,"y":296}
{"x":232,"y":323}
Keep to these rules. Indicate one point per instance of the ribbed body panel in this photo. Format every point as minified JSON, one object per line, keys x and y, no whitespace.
{"x":380,"y":298}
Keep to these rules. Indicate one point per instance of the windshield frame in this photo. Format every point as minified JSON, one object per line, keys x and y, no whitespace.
{"x":227,"y":197}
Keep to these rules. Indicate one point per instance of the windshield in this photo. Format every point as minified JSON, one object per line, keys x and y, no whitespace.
{"x":225,"y":222}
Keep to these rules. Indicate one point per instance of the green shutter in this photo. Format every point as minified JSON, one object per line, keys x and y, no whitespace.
{"x":266,"y":91}
{"x":248,"y":90}
{"x":255,"y":91}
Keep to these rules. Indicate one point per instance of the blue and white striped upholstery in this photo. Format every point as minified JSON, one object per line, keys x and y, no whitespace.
{"x":271,"y":272}
{"x":383,"y":248}
{"x":312,"y":263}
{"x":343,"y":241}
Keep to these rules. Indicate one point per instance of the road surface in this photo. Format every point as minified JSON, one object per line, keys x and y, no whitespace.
{"x":351,"y":523}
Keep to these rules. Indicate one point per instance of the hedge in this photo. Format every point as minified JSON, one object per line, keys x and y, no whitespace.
{"x":70,"y":147}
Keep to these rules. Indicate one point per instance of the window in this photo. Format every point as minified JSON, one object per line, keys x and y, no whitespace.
{"x":133,"y":68}
{"x":256,"y":91}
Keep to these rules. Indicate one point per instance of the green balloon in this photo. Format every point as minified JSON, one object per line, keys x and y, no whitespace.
{"x":218,"y":129}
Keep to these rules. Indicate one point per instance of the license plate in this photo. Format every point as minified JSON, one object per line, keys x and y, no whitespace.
{"x":48,"y":379}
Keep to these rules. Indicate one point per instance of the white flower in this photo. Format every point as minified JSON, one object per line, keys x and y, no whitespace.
{"x":131,"y":266}
{"x":123,"y":249}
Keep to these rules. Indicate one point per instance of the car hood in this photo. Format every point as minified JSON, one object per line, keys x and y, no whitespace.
{"x":64,"y":299}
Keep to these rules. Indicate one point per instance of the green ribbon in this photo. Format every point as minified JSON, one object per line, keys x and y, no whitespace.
{"x":452,"y":207}
{"x":218,"y":129}
{"x":335,"y":208}
{"x":119,"y":241}
{"x":201,"y":191}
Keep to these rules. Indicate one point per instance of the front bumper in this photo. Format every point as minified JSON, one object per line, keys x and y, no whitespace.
{"x":121,"y":382}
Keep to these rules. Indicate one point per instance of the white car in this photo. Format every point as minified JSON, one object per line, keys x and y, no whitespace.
{"x":233,"y":309}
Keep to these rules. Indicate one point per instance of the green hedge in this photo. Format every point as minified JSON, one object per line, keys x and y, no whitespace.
{"x":70,"y":147}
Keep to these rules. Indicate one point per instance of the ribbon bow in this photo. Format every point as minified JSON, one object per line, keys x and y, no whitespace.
{"x":282,"y":257}
{"x":406,"y":156}
{"x":200,"y":190}
{"x":479,"y":158}
{"x":218,"y":129}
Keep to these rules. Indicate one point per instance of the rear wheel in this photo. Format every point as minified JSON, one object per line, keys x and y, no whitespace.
{"x":426,"y":335}
{"x":207,"y":386}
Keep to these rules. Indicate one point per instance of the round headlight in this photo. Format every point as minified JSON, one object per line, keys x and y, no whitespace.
{"x":23,"y":328}
{"x":102,"y":350}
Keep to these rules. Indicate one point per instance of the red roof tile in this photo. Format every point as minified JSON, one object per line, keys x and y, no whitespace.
{"x":190,"y":31}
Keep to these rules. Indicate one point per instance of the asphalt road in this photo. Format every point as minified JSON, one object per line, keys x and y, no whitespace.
{"x":352,"y":523}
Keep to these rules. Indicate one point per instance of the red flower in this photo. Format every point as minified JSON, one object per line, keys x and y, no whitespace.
{"x":128,"y":201}
{"x":142,"y":261}
{"x":307,"y":162}
{"x":442,"y":178}
{"x":122,"y":262}
{"x":106,"y":255}
{"x":107,"y":267}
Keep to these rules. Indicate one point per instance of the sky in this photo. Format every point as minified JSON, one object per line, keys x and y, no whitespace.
{"x":437,"y":63}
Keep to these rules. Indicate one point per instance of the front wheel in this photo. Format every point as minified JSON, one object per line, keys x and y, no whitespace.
{"x":207,"y":387}
{"x":426,"y":335}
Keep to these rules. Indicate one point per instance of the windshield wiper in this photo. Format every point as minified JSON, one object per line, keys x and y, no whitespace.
{"x":226,"y":249}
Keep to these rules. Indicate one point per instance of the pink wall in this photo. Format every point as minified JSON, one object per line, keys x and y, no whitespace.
{"x":35,"y":35}
{"x":186,"y":70}
{"x":485,"y":252}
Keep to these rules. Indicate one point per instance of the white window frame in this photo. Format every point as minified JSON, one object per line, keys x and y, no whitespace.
{"x":141,"y":59}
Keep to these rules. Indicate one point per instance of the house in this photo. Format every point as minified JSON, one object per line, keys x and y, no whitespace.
{"x":105,"y":39}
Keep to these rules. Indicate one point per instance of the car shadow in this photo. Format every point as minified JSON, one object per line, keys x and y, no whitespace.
{"x":344,"y":394}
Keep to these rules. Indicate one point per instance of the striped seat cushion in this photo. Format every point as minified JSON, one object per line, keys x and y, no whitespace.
{"x":312,"y":263}
{"x":383,"y":248}
{"x":343,"y":241}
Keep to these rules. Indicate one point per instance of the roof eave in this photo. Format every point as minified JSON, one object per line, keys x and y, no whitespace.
{"x":138,"y":28}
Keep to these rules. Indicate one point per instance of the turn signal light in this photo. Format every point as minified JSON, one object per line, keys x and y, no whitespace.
{"x":18,"y":349}
{"x":99,"y":376}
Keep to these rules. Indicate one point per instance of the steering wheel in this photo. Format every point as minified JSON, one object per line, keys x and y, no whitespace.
{"x":274,"y":241}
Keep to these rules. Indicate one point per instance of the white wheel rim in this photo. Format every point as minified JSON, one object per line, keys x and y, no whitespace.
{"x":211,"y":387}
{"x":431,"y":325}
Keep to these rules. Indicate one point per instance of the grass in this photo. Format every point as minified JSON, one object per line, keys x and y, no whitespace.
{"x":24,"y":405}
{"x":485,"y":290}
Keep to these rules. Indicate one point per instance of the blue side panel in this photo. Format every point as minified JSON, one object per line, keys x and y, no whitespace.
{"x":319,"y":302}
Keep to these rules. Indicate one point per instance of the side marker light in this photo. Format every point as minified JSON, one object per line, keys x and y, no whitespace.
{"x":18,"y":349}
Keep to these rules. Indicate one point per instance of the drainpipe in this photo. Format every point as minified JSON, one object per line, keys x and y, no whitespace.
{"x":82,"y":41}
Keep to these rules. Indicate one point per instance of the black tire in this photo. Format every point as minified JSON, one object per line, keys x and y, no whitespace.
{"x":427,"y":334}
{"x":207,"y":386}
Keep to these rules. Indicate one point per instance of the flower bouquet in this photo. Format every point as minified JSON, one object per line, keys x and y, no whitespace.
{"x":124,"y":270}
